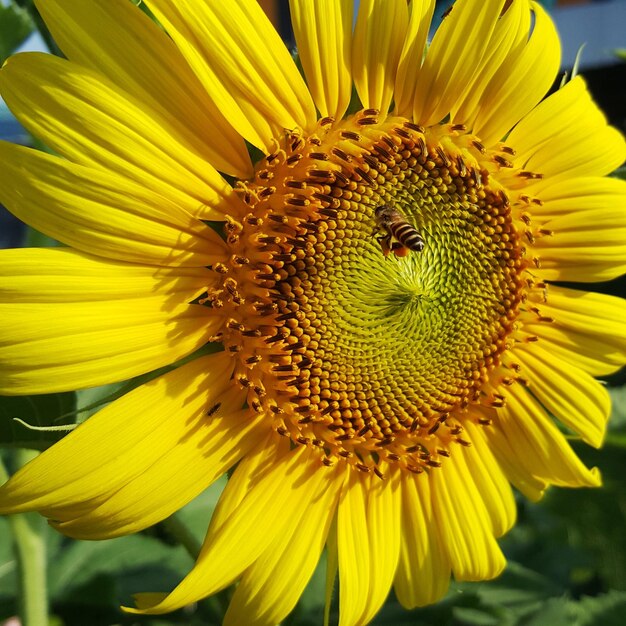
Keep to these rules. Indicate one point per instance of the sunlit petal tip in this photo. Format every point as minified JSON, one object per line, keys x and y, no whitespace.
{"x":271,"y":587}
{"x":144,"y":602}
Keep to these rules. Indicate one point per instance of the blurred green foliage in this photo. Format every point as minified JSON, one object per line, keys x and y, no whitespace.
{"x":15,"y":26}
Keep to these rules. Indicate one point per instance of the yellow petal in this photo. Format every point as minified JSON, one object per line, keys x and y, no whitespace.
{"x":355,"y":566}
{"x":89,"y":120}
{"x":104,"y":36}
{"x":272,"y":586}
{"x":567,"y":135}
{"x":551,"y":116}
{"x":241,"y":61}
{"x":323,"y":32}
{"x":412,"y":55}
{"x":585,"y":246}
{"x":456,"y":51}
{"x":589,"y":349}
{"x":48,"y":347}
{"x":139,"y":443}
{"x":423,"y":574}
{"x":570,"y":394}
{"x":578,"y":194}
{"x":262,"y":516}
{"x":508,"y":457}
{"x":332,"y":567}
{"x":177,"y":476}
{"x":521,"y":80}
{"x":59,"y":275}
{"x":384,"y":530}
{"x":540,"y":448}
{"x":588,"y":330}
{"x":102,"y":213}
{"x":379,"y":35}
{"x":601,"y":151}
{"x":256,"y":464}
{"x":507,"y":40}
{"x":464,"y":525}
{"x":490,"y":481}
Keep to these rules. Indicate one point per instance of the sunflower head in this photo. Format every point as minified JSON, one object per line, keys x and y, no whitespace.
{"x":369,"y":357}
{"x":383,"y":285}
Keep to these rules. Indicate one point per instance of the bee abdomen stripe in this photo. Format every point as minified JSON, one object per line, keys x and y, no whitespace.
{"x":408,"y":236}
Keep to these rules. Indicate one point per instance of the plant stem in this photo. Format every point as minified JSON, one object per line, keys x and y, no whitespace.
{"x":29,"y":540}
{"x":179,"y":531}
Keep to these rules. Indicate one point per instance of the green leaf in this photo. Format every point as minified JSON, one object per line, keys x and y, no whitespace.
{"x":310,"y":608}
{"x":39,"y":412}
{"x":444,"y":613}
{"x":15,"y":26}
{"x":120,"y":566}
{"x":618,"y":409}
{"x":476,"y":617}
{"x":91,"y":579}
{"x":593,"y":519}
{"x":506,"y":601}
{"x":518,"y":586}
{"x":555,"y":611}
{"x":607,"y":609}
{"x":35,"y":239}
{"x":8,"y":564}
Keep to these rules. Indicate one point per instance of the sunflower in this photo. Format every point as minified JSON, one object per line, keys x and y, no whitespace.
{"x":372,"y":396}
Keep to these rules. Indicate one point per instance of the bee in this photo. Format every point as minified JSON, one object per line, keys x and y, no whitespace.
{"x":395,"y":225}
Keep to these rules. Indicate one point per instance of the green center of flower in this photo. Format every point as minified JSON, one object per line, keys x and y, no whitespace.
{"x":370,"y":356}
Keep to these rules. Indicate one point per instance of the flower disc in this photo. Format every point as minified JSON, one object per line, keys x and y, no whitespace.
{"x":363,"y":354}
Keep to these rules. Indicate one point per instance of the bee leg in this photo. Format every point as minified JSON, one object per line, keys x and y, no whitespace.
{"x":385,"y":244}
